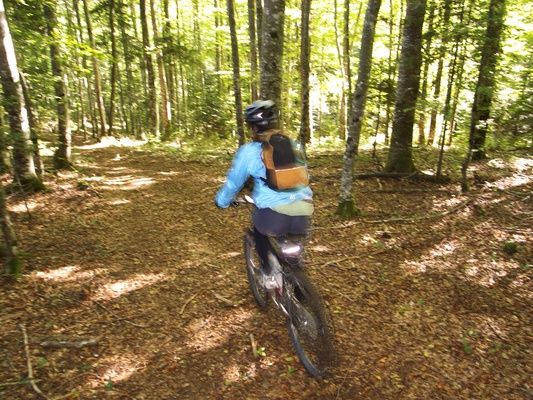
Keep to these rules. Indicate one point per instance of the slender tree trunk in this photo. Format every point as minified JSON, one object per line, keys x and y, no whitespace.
{"x":400,"y":157}
{"x":152,"y":102}
{"x":392,"y":67}
{"x":346,"y":207}
{"x":259,"y":27}
{"x":482,"y":105}
{"x":236,"y":73}
{"x":305,"y":50}
{"x":254,"y":74}
{"x":114,"y":67}
{"x":165,"y":136}
{"x":33,"y":121}
{"x":272,"y":50}
{"x":481,"y":108}
{"x":62,"y":156}
{"x":13,"y":100}
{"x":96,"y":72}
{"x":443,"y":52}
{"x":427,"y":60}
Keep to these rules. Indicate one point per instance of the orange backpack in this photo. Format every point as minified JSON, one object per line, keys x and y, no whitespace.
{"x":284,"y":159}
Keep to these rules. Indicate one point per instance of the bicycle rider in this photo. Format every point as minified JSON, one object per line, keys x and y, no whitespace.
{"x":278,"y":212}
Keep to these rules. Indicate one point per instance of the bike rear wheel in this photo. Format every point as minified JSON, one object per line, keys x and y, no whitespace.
{"x":253,"y":270}
{"x":309,"y":325}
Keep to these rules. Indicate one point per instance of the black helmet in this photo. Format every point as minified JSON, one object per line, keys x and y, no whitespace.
{"x":261,"y":113}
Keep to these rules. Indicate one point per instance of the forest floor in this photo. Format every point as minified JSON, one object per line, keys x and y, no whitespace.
{"x":134,"y":285}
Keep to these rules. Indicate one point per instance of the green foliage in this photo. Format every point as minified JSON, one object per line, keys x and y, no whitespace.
{"x":510,"y":247}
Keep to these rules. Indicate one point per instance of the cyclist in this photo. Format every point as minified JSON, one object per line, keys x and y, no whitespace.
{"x":278,"y":212}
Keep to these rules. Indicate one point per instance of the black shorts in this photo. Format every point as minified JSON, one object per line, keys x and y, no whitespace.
{"x":270,"y":222}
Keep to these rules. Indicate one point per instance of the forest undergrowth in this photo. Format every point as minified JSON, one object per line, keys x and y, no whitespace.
{"x":134,"y":285}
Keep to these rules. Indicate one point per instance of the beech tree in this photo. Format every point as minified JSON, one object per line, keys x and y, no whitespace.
{"x":62,"y":156}
{"x":481,"y":107}
{"x":346,"y":207}
{"x":400,"y":158}
{"x":272,"y":50}
{"x":236,"y":73}
{"x":305,"y":49}
{"x":17,"y":113}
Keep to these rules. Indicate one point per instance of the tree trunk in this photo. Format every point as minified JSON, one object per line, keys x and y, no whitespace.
{"x":400,"y":158}
{"x":481,"y":108}
{"x":165,"y":135}
{"x":346,"y":207}
{"x":305,"y":50}
{"x":33,"y":120}
{"x":443,"y":53}
{"x":62,"y":156}
{"x":272,"y":50}
{"x":114,"y":67}
{"x":96,"y":72}
{"x":254,"y":74}
{"x":427,"y":60}
{"x":236,"y":73}
{"x":152,"y":103}
{"x":12,"y":263}
{"x":13,"y":98}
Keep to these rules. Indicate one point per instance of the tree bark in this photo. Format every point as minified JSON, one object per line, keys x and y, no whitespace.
{"x":13,"y":100}
{"x":254,"y":74}
{"x":96,"y":72}
{"x":481,"y":107}
{"x":114,"y":67}
{"x":400,"y":158}
{"x":272,"y":50}
{"x":346,"y":207}
{"x":165,"y":135}
{"x":152,"y":102}
{"x":62,"y":156}
{"x":236,"y":73}
{"x":305,"y":50}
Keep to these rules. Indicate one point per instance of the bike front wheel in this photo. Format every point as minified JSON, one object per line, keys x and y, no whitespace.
{"x":253,"y":270}
{"x":309,"y":325}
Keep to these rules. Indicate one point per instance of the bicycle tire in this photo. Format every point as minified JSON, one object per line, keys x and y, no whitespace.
{"x":253,"y":270}
{"x":309,"y":325}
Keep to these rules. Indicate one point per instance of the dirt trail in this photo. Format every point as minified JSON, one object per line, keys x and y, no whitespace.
{"x":132,"y":253}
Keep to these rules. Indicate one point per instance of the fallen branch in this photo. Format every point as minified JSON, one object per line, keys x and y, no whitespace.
{"x":187,"y":302}
{"x":70,"y":342}
{"x":224,"y":300}
{"x":28,"y":360}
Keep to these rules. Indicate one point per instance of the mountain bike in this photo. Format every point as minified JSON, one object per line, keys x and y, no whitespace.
{"x":290,"y":289}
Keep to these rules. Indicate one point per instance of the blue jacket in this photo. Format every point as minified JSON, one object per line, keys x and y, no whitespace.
{"x":247,"y":162}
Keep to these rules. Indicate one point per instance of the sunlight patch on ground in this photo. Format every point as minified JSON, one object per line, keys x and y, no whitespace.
{"x":25,"y":206}
{"x":117,"y":289}
{"x":446,"y":204}
{"x":116,"y":369}
{"x":486,"y":273}
{"x":111,"y":141}
{"x":128,"y":182}
{"x":232,"y":373}
{"x":65,"y":274}
{"x":206,"y":334}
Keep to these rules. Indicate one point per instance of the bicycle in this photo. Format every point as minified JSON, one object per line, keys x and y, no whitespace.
{"x":291,"y":290}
